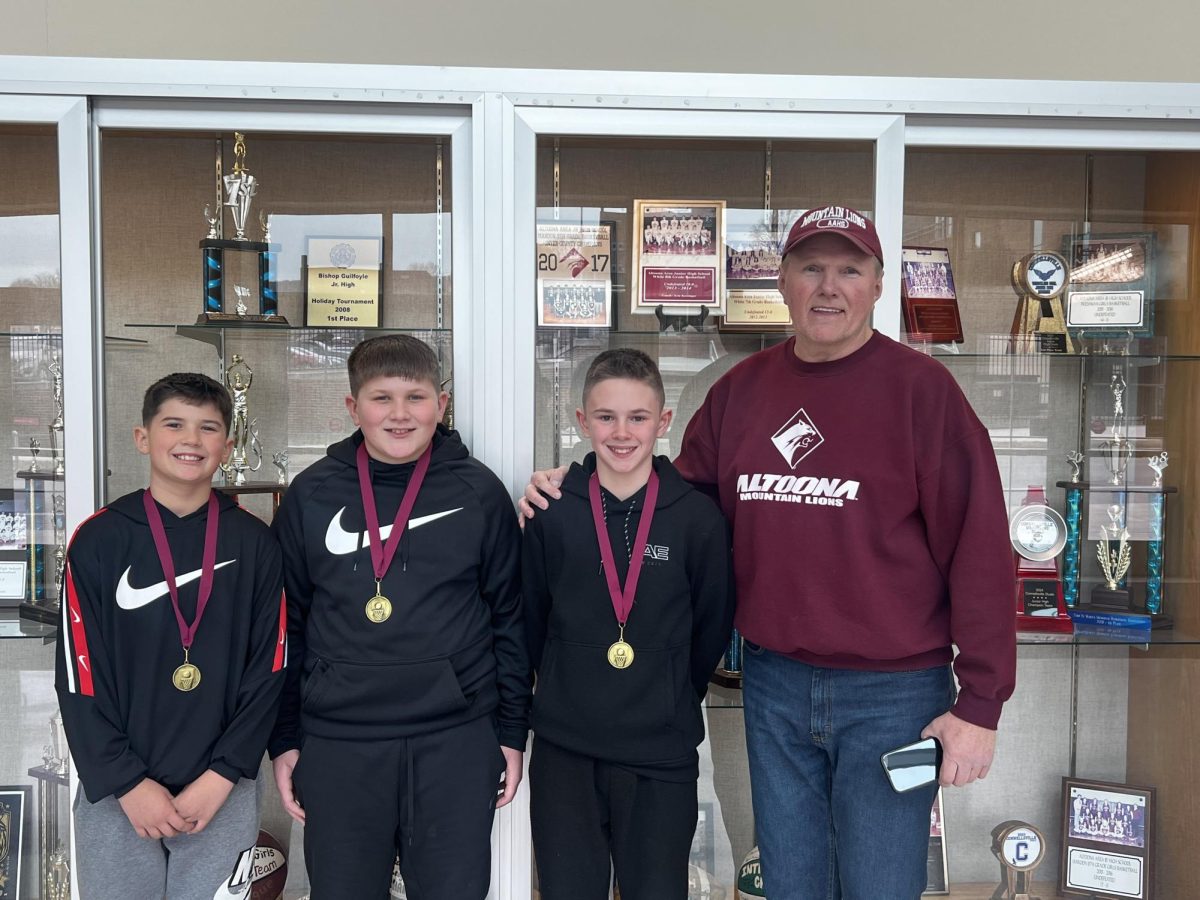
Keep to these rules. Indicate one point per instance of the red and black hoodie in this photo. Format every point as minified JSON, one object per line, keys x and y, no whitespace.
{"x":453,"y":648}
{"x":119,"y":645}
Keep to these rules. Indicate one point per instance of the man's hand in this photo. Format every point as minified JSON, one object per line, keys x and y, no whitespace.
{"x":284,"y":764}
{"x":200,"y":800}
{"x":966,"y":749}
{"x":513,"y":769}
{"x":543,"y":480}
{"x":151,"y":811}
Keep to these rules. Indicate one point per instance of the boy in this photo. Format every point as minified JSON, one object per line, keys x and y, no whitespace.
{"x":167,"y":739}
{"x":401,"y":561}
{"x":625,"y":621}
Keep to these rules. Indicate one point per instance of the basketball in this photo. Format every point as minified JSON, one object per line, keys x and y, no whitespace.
{"x":749,"y":881}
{"x":270,"y":869}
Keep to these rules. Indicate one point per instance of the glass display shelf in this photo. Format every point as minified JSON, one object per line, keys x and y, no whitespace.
{"x":264,"y":327}
{"x":13,"y":627}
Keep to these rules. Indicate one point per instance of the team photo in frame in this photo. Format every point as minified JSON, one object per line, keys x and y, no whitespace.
{"x":1108,"y":840}
{"x":574,"y":274}
{"x":1111,"y":286}
{"x":679,"y":255}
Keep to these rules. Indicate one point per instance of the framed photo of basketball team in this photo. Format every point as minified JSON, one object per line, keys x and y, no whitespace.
{"x":1108,"y":840}
{"x":679,"y":255}
{"x":927,"y":295}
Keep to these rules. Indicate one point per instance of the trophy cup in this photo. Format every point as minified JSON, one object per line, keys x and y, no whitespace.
{"x":53,"y":776}
{"x":1039,"y":325}
{"x":35,"y":447}
{"x":57,"y":448}
{"x":231,"y":267}
{"x":1074,"y":519}
{"x":245,"y":432}
{"x":1155,"y":546}
{"x":1038,"y":534}
{"x":280,"y":461}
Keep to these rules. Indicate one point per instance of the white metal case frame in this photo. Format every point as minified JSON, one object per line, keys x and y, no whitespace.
{"x":69,"y":116}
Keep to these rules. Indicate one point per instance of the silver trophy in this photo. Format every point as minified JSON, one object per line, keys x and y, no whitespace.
{"x":243,"y":294}
{"x":245,"y":431}
{"x":240,"y":187}
{"x":60,"y":544}
{"x":1117,"y":454}
{"x":280,"y":460}
{"x":265,"y":221}
{"x":1075,"y":458}
{"x":1158,"y":463}
{"x":214,"y":223}
{"x":57,"y":448}
{"x":35,"y":447}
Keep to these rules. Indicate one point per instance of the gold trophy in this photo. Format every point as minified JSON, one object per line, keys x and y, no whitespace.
{"x":1039,"y":326}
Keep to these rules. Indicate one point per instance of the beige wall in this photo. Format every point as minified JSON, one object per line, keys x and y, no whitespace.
{"x":1099,"y":40}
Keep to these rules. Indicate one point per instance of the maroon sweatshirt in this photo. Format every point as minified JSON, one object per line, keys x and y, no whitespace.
{"x":869,"y":523}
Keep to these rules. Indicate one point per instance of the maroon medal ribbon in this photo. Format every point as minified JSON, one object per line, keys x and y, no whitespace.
{"x":622,"y":598}
{"x":382,"y":554}
{"x":187,"y":633}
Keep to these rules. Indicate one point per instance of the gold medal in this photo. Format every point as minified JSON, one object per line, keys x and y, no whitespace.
{"x":186,"y":677}
{"x":620,"y":655}
{"x":379,"y":609}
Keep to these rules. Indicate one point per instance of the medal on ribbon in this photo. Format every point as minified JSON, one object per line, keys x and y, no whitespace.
{"x":379,"y":607}
{"x":186,"y":677}
{"x":620,"y":653}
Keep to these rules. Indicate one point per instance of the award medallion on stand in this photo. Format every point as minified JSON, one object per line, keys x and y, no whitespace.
{"x":1038,"y":534}
{"x":1039,"y":325}
{"x":1020,"y":848}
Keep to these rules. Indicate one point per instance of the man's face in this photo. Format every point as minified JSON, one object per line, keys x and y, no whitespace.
{"x":830,"y":287}
{"x":398,"y":416}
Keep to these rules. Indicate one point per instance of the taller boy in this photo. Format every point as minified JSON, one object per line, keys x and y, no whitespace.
{"x":401,"y":559}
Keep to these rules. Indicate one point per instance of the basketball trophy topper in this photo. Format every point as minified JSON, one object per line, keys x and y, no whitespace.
{"x":244,"y":432}
{"x":1039,"y":325}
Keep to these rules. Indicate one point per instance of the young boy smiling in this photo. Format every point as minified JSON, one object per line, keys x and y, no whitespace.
{"x":628,"y":607}
{"x":169,"y":683}
{"x":410,"y":705}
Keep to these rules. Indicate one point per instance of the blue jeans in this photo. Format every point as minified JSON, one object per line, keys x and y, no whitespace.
{"x":829,"y":825}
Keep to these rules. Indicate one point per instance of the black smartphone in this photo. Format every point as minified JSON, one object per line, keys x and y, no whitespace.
{"x":913,"y":765}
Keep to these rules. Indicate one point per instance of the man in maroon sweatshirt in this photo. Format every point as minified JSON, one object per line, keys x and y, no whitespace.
{"x":870,"y":539}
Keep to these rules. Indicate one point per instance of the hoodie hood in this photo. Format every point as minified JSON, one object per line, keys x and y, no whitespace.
{"x":447,"y":446}
{"x":671,"y":486}
{"x":132,"y":507}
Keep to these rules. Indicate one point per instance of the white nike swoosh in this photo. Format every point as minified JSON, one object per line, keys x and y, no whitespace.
{"x":339,"y":541}
{"x":83,"y":662}
{"x":75,"y":617}
{"x":129,"y":597}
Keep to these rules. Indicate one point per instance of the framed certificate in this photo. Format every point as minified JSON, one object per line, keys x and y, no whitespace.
{"x":1108,"y":840}
{"x":575,"y":263}
{"x":1111,"y":287}
{"x":927,"y":295}
{"x":15,"y":817}
{"x":679,"y":255}
{"x":755,"y":310}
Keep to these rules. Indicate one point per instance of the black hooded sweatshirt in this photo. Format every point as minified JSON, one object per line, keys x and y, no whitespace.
{"x":119,"y":645}
{"x":452,"y":649}
{"x":646,"y":717}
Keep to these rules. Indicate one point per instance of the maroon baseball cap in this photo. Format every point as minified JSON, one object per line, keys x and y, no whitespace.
{"x":840,"y":220}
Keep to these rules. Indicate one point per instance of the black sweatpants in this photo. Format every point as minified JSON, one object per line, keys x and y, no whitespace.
{"x":584,"y":810}
{"x":431,"y":797}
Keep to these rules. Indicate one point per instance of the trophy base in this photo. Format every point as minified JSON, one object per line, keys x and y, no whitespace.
{"x":726,"y":679}
{"x":1105,"y":600}
{"x":47,"y":611}
{"x":1055,"y":624}
{"x":235,"y":319}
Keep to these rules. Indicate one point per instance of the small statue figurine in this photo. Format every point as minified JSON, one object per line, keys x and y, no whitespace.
{"x":265,"y":221}
{"x":1075,"y":458}
{"x":1158,"y":463}
{"x":280,"y":460}
{"x":1117,"y":385}
{"x":242,"y":293}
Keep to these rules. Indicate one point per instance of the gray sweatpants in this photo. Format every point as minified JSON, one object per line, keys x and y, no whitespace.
{"x":113,"y":863}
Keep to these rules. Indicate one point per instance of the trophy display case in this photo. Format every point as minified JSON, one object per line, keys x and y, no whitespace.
{"x":1084,"y":391}
{"x":376,"y":210}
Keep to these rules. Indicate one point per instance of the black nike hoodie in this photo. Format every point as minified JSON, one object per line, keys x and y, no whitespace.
{"x":647,"y":716}
{"x":119,"y":645}
{"x":452,"y":649}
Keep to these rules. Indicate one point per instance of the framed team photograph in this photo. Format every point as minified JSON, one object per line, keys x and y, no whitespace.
{"x":1111,"y":287}
{"x":16,"y":804}
{"x":752,"y":298}
{"x":937,"y":875}
{"x":928,"y":298}
{"x":679,"y":255}
{"x":575,"y":264}
{"x":1108,"y":840}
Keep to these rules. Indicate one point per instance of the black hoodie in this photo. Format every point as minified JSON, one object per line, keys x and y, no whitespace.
{"x":120,"y":643}
{"x":452,"y":649}
{"x":646,"y":717}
